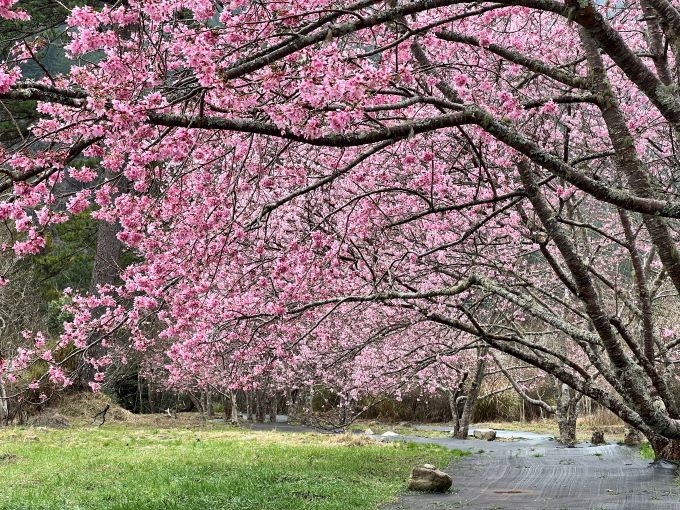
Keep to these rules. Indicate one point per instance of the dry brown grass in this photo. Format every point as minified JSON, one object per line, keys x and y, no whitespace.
{"x":80,"y":408}
{"x":542,"y":426}
{"x":601,"y":418}
{"x":610,"y":424}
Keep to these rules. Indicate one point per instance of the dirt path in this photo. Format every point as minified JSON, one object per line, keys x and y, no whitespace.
{"x":536,"y":474}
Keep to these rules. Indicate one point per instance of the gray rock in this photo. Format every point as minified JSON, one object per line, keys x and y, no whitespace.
{"x":597,"y":437}
{"x":369,"y":432}
{"x":389,"y":433}
{"x":485,"y":434}
{"x":632,"y":437}
{"x":427,"y":478}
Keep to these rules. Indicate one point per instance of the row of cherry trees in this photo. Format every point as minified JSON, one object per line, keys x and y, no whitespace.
{"x":369,"y":194}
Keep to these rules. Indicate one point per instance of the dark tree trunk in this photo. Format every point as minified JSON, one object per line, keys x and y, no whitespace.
{"x":259,"y":406}
{"x":471,"y":400}
{"x":105,"y":271}
{"x":140,"y":392}
{"x":454,"y":399}
{"x":249,"y":408}
{"x":273,"y":408}
{"x":225,"y":409}
{"x":151,"y":397}
{"x":198,"y":404}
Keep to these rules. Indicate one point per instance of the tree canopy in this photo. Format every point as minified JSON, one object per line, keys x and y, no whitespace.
{"x":362,"y":193}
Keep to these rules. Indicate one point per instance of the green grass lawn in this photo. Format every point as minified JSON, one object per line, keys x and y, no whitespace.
{"x":144,"y":468}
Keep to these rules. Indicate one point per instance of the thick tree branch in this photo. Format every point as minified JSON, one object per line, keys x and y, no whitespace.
{"x":520,"y":391}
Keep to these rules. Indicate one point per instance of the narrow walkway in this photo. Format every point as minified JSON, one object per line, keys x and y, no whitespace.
{"x":538,"y":474}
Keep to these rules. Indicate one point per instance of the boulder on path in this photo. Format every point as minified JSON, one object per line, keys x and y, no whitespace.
{"x":632,"y":437}
{"x":597,"y":437}
{"x":485,"y":434}
{"x":427,"y":478}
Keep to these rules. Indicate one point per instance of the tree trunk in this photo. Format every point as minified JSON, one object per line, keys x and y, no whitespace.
{"x":293,"y":405}
{"x":140,"y":392}
{"x":453,"y":407}
{"x":454,"y":400}
{"x":665,"y":449}
{"x":471,"y":400}
{"x":150,"y":397}
{"x":259,"y":406}
{"x":198,"y":403}
{"x":273,"y":408}
{"x":234,"y":408}
{"x":225,"y":411}
{"x":248,"y":407}
{"x":105,"y":271}
{"x":566,"y":414}
{"x":4,"y":408}
{"x":309,"y":403}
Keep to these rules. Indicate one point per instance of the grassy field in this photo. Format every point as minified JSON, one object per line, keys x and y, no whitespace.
{"x":144,"y":468}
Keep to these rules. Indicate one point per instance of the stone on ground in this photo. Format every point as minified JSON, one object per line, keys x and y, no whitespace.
{"x":597,"y":437}
{"x":369,"y":432}
{"x":427,"y":478}
{"x":389,"y":433}
{"x":485,"y":434}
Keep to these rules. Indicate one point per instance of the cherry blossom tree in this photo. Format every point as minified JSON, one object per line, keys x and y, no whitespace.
{"x":365,"y":193}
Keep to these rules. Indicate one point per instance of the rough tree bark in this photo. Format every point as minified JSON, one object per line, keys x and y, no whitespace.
{"x":274,"y":408}
{"x":664,"y":448}
{"x":259,"y":406}
{"x":471,"y":400}
{"x":209,"y":409}
{"x":150,"y":395}
{"x":4,"y":408}
{"x":455,"y":398}
{"x":234,"y":408}
{"x":566,"y":414}
{"x":105,"y":271}
{"x":249,"y":409}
